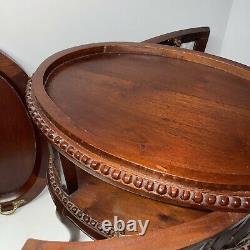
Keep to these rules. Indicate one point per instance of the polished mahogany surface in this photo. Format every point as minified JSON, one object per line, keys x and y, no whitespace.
{"x":176,"y":119}
{"x":141,"y":108}
{"x":17,"y":155}
{"x":23,"y":154}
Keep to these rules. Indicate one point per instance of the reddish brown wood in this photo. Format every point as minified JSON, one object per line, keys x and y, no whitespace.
{"x":198,"y":35}
{"x":140,"y":115}
{"x":177,"y":237}
{"x":96,"y":201}
{"x":23,"y":154}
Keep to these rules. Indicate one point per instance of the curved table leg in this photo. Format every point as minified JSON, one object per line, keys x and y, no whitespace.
{"x":73,"y":230}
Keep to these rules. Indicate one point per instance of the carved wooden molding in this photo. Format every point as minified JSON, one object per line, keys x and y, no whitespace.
{"x":236,"y":235}
{"x":72,"y":208}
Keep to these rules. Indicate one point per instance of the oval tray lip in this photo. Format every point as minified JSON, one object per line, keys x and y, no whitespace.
{"x":17,"y":79}
{"x":129,"y":175}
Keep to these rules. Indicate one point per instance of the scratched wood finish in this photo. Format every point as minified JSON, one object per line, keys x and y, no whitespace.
{"x":95,"y":201}
{"x":163,"y":122}
{"x":23,"y":154}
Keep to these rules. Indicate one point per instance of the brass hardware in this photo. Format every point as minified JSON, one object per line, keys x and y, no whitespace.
{"x":177,"y":42}
{"x":16,"y":205}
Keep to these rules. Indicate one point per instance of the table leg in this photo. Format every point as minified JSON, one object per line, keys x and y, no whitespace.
{"x":73,"y":230}
{"x":66,"y":170}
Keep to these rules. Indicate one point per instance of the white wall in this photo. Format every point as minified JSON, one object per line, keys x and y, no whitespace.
{"x":236,"y":44}
{"x":31,"y":30}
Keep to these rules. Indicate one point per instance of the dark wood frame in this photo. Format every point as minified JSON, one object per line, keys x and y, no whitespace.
{"x":92,"y":227}
{"x":197,"y":35}
{"x":105,"y":166}
{"x":17,"y":79}
{"x":177,"y":237}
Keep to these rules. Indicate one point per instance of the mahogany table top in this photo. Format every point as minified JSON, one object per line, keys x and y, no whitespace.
{"x":163,"y":122}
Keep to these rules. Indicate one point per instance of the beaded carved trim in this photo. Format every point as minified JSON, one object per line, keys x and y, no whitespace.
{"x":155,"y":189}
{"x":71,"y":207}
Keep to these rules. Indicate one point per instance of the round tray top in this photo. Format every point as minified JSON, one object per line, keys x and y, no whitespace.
{"x":23,"y":154}
{"x":164,"y":122}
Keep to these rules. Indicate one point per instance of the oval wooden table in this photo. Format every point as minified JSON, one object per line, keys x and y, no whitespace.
{"x":165,"y":123}
{"x":184,"y":236}
{"x":23,"y":154}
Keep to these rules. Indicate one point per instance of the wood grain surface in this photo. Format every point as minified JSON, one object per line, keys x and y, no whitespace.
{"x":177,"y":237}
{"x":95,"y":201}
{"x":199,"y":36}
{"x":159,"y":121}
{"x":23,"y":154}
